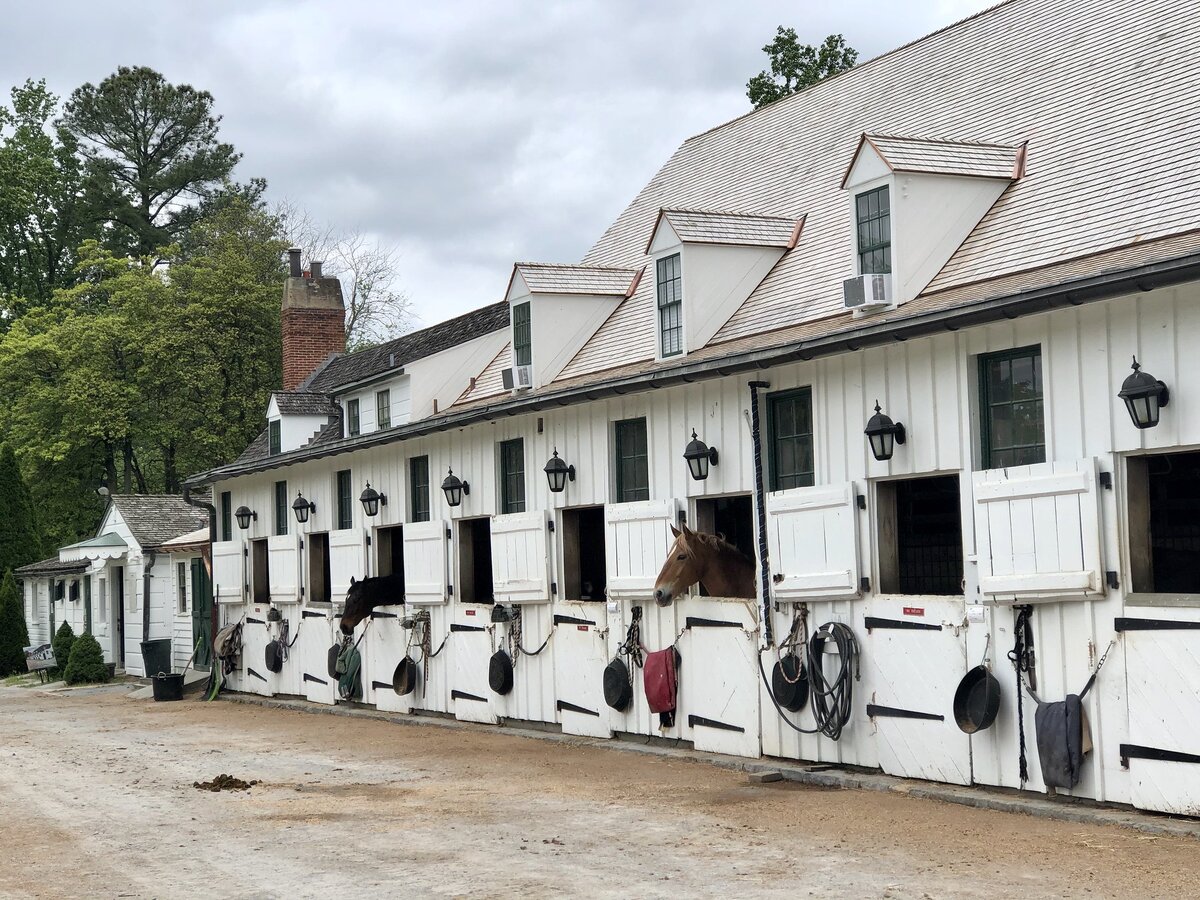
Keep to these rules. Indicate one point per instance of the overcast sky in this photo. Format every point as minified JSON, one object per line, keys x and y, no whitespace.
{"x":467,"y":134}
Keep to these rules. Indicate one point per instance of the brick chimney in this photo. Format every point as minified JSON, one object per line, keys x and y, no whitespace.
{"x":313,"y":321}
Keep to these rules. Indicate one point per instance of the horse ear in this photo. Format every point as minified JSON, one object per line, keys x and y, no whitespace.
{"x":687,"y":532}
{"x":674,"y":530}
{"x":352,"y":579}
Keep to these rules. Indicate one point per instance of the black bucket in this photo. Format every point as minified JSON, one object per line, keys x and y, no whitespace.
{"x":168,"y":687}
{"x":156,"y":656}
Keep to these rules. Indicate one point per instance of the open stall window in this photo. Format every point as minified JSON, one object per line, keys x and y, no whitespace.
{"x":389,"y":548}
{"x":320,"y":583}
{"x":1164,"y":523}
{"x":730,"y":517}
{"x":584,"y":570}
{"x":260,"y":571}
{"x":920,"y":536}
{"x":475,"y":561}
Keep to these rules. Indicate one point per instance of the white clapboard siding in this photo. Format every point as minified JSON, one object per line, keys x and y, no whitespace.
{"x":638,"y":538}
{"x":284,"y":568}
{"x":345,"y":561}
{"x":1163,"y":669}
{"x":521,"y":557}
{"x":812,"y":536}
{"x":228,"y":579}
{"x":425,"y":562}
{"x":1037,"y":531}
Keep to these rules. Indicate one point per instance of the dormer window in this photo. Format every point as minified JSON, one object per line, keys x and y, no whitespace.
{"x":276,"y":437}
{"x":670,"y":306}
{"x":522,"y":335}
{"x":874,"y":216}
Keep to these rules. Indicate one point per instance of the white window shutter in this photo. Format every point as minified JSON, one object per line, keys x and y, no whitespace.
{"x":521,"y":557}
{"x":284,"y":563}
{"x":812,"y":537}
{"x":1037,"y":531}
{"x":228,"y":579}
{"x":638,"y":536}
{"x":425,"y":562}
{"x":345,"y":561}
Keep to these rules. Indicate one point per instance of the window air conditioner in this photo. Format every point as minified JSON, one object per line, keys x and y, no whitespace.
{"x":867,"y":291}
{"x":518,"y":378}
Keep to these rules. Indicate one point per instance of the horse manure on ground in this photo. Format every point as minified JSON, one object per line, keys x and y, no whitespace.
{"x":224,"y":783}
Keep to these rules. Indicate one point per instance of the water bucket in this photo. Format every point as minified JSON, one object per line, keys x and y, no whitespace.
{"x":168,"y":687}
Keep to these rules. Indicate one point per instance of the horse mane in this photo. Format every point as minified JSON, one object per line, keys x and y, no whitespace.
{"x":717,"y":542}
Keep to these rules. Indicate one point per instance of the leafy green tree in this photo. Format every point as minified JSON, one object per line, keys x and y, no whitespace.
{"x":64,"y":640}
{"x":795,"y":66}
{"x":86,"y":663}
{"x":152,"y":151}
{"x":41,"y":220}
{"x":20,"y":542}
{"x":14,"y":636}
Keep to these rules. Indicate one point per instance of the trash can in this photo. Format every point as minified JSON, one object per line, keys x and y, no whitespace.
{"x":156,"y":655}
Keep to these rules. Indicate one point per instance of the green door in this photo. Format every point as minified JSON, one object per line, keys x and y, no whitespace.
{"x":201,"y":613}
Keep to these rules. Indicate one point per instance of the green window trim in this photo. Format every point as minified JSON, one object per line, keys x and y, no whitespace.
{"x":512,"y":476}
{"x":352,"y":418}
{"x":275,"y":436}
{"x":631,"y":461}
{"x":383,"y":409}
{"x":282,"y":507}
{"x":345,"y":500}
{"x":873,"y":224}
{"x":522,"y":335}
{"x":418,"y":488}
{"x":670,"y":305}
{"x":1012,"y":423}
{"x":791,"y":457}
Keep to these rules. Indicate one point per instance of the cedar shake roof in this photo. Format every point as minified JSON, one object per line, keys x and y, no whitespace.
{"x":156,"y":518}
{"x":568,"y":279}
{"x":904,"y":154}
{"x":345,"y":370}
{"x":51,"y":568}
{"x":304,"y":403}
{"x":695,"y":226}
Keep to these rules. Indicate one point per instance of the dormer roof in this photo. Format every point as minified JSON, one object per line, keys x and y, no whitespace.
{"x":939,"y":157}
{"x":698,"y":226}
{"x":303,"y":403}
{"x":596,"y":281}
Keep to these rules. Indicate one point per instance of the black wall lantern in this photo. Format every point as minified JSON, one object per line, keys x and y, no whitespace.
{"x":243,"y":515}
{"x":883,"y":434}
{"x":558,"y":473}
{"x":372,"y":500}
{"x":699,"y":457}
{"x":1144,"y":396}
{"x":454,"y":488}
{"x":302,"y":508}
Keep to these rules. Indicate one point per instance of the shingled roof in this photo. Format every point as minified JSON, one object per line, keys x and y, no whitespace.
{"x":353,"y":367}
{"x":51,"y":568}
{"x":156,"y":518}
{"x":304,"y":403}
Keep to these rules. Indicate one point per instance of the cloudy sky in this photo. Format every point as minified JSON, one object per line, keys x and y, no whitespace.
{"x":466,"y":134}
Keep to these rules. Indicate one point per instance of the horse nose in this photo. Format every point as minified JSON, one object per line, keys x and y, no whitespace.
{"x":660,"y":595}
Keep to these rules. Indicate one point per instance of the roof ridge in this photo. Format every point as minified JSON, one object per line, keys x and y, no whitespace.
{"x":574,"y":266}
{"x":946,"y":141}
{"x":874,"y":59}
{"x":728,"y":212}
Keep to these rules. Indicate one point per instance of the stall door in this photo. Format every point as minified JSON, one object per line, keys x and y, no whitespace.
{"x":256,"y":678}
{"x":1037,"y":532}
{"x":311,"y":655}
{"x":580,"y":656}
{"x":386,"y":644}
{"x":202,"y":604}
{"x":639,"y":536}
{"x":521,"y":557}
{"x":470,"y":690}
{"x":228,"y":575}
{"x":812,"y":536}
{"x":425,"y":562}
{"x":1162,"y":658}
{"x":916,"y":654}
{"x":720,"y":675}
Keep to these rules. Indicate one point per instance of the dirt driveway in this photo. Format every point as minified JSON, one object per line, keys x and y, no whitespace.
{"x":98,"y":800}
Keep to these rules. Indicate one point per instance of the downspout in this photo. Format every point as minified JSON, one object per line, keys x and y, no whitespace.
{"x":212,"y":533}
{"x":148,"y":564}
{"x":764,"y":563}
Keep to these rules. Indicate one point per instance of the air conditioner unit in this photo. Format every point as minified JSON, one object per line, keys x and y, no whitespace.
{"x":518,"y":378}
{"x":867,"y":291}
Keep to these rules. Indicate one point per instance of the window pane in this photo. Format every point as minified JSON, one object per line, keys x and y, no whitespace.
{"x":874,"y":224}
{"x":790,"y":441}
{"x":418,"y":475}
{"x":281,"y":507}
{"x":1013,"y":427}
{"x":633,"y":482}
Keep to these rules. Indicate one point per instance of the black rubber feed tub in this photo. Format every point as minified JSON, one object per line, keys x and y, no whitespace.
{"x":167,"y":687}
{"x":977,"y":700}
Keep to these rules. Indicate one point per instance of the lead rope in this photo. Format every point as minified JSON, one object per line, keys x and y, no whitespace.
{"x":632,"y":646}
{"x":1023,"y":661}
{"x":515,"y":631}
{"x":764,"y":565}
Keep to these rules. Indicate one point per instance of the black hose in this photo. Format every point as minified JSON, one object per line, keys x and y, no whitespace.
{"x":764,"y":563}
{"x":831,"y":701}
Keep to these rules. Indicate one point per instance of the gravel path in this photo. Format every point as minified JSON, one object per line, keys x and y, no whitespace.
{"x":98,"y":800}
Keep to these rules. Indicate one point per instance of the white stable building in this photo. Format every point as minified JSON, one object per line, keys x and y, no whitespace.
{"x":977,"y":232}
{"x":140,"y":578}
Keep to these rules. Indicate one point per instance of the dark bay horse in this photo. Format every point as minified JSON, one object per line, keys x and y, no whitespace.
{"x":721,"y":568}
{"x":365,"y":595}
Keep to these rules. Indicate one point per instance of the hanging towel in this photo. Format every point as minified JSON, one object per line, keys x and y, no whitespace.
{"x":1060,"y":741}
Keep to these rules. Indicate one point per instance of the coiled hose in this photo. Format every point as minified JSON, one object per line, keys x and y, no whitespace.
{"x":831,"y":699}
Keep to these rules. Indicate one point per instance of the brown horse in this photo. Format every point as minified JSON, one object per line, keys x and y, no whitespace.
{"x":722,"y":569}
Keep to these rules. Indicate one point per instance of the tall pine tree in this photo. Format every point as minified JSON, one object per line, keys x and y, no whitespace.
{"x":14,"y":636}
{"x":20,"y":541}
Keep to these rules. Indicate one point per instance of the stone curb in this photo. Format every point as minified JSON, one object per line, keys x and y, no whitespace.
{"x":1063,"y":809}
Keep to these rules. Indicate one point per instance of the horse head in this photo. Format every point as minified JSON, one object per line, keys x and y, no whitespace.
{"x":357,"y":606}
{"x":684,"y":567}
